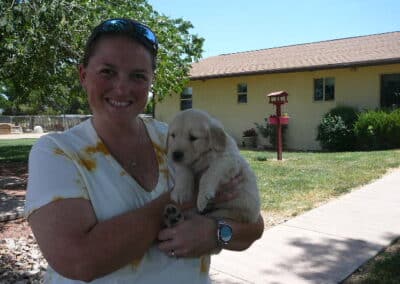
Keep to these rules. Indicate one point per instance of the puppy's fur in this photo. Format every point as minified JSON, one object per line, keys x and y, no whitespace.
{"x":200,"y":149}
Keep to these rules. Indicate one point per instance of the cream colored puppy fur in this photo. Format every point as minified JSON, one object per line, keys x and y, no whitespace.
{"x":199,"y":148}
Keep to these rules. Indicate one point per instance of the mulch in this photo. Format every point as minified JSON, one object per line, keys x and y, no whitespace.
{"x":20,"y":258}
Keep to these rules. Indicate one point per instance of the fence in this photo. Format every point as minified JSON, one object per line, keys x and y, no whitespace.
{"x":47,"y":122}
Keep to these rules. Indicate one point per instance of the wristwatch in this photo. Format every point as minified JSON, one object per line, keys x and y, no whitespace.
{"x":224,"y":233}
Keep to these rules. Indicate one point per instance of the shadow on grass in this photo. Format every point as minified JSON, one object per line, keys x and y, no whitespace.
{"x":14,"y":153}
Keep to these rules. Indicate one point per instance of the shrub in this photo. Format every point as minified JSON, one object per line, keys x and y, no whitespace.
{"x":261,"y":158}
{"x":377,"y":130}
{"x":264,"y":129}
{"x":267,"y":130}
{"x":249,"y":132}
{"x":336,"y":131}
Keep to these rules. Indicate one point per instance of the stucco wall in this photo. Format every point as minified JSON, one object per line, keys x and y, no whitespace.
{"x":358,"y":87}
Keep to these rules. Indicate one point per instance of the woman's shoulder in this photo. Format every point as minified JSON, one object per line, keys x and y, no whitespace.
{"x":77,"y":135}
{"x":157,"y":125}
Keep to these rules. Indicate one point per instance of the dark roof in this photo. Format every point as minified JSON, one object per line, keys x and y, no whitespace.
{"x":355,"y":51}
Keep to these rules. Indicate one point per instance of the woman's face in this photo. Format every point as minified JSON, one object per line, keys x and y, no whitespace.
{"x":117,"y":79}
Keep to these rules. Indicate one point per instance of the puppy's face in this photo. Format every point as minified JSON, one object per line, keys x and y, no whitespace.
{"x":191,"y":135}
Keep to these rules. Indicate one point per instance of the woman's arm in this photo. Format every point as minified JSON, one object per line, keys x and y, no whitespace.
{"x":244,"y":234}
{"x":197,"y":236}
{"x":78,"y":247}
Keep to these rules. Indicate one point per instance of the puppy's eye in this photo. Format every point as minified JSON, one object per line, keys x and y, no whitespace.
{"x":192,"y":138}
{"x":172,"y":135}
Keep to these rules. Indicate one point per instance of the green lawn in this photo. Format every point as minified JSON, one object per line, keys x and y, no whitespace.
{"x":303,"y":179}
{"x":15,"y":150}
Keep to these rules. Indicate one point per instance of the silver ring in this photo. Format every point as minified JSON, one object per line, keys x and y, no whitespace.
{"x":172,"y":252}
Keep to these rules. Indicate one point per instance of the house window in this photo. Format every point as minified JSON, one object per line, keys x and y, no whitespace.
{"x":242,"y":93}
{"x":324,"y":89}
{"x":390,"y":91}
{"x":186,"y":98}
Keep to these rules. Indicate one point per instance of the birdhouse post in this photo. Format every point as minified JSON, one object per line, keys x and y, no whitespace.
{"x":278,"y":99}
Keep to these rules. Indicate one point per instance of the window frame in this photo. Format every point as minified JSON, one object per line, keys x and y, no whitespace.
{"x":240,"y":93}
{"x":186,"y":97}
{"x":390,"y":82}
{"x":326,"y":92}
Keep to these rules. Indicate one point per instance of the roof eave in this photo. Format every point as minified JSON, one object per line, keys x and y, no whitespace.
{"x":300,"y":69}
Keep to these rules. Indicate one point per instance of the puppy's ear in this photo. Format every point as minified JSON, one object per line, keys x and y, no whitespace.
{"x":167,"y":146}
{"x":218,"y":137}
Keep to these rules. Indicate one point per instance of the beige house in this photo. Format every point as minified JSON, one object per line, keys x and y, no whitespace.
{"x":363,"y":72}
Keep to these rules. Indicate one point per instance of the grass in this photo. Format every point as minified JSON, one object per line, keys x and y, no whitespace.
{"x":15,"y":150}
{"x":304,"y":180}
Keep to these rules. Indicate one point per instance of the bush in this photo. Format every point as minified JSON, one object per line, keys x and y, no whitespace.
{"x":267,"y":130}
{"x":249,"y":132}
{"x":378,"y":130}
{"x":336,"y":131}
{"x":263,"y":129}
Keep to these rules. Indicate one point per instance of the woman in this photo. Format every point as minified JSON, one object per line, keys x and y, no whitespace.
{"x":96,"y":193}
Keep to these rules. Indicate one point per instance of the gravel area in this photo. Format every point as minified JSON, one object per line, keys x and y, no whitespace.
{"x":21,"y":261}
{"x":20,"y":258}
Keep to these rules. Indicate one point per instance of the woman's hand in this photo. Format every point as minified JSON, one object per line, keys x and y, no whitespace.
{"x":194,"y":237}
{"x":229,"y":190}
{"x":226,"y":192}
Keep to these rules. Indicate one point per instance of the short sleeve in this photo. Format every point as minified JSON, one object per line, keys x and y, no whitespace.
{"x":52,"y":176}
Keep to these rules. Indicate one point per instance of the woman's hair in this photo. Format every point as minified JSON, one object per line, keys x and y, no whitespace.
{"x":122,"y":27}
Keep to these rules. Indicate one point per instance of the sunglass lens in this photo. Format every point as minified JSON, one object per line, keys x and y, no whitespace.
{"x":137,"y":29}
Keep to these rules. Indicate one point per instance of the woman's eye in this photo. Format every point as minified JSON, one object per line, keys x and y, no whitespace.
{"x":173,"y":135}
{"x":192,"y":138}
{"x":139,"y":76}
{"x":107,"y":72}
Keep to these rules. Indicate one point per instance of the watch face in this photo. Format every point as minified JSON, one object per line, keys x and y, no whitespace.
{"x":226,"y":233}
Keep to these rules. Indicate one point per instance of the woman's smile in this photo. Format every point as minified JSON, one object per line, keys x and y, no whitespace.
{"x":118,"y":103}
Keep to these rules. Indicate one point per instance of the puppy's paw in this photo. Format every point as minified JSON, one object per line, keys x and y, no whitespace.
{"x":172,"y":215}
{"x":203,"y":201}
{"x":181,"y":195}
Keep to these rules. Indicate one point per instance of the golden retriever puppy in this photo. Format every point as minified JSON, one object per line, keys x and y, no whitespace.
{"x":201,"y":150}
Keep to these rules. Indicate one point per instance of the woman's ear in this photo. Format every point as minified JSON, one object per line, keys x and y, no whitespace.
{"x":82,"y":74}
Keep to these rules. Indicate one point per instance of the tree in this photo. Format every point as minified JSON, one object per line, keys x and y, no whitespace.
{"x":43,"y":41}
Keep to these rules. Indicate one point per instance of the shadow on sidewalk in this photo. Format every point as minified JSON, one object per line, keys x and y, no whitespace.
{"x":330,"y":258}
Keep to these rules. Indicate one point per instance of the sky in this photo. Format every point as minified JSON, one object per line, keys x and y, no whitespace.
{"x":230,"y":26}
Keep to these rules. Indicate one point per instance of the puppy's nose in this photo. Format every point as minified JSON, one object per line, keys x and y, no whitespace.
{"x":177,"y":156}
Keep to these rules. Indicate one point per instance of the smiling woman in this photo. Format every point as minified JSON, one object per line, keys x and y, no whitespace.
{"x":100,"y":188}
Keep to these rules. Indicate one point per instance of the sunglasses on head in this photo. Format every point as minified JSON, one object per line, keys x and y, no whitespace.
{"x":137,"y":30}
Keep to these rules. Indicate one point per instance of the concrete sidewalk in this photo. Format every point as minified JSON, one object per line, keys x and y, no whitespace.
{"x":324,"y":245}
{"x":21,"y":136}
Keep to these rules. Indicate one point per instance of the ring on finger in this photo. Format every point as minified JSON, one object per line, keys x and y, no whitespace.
{"x":172,"y":253}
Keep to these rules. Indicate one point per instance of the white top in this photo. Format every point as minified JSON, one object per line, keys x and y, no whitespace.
{"x":77,"y":164}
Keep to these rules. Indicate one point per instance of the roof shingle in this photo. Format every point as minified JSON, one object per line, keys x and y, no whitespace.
{"x":355,"y":51}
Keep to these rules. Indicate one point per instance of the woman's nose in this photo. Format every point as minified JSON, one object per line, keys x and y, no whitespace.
{"x":122,"y":85}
